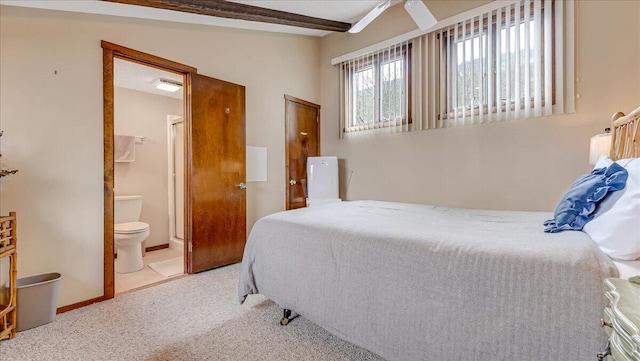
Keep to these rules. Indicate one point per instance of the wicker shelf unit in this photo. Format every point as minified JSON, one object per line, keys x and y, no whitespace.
{"x":8,"y":238}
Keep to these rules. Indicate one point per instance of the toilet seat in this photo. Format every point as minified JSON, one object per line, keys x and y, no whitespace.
{"x":130,"y":227}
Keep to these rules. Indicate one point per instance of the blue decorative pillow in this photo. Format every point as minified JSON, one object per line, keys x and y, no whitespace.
{"x":578,"y":206}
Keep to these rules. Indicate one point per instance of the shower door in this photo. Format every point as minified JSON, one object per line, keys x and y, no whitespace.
{"x":175,"y":131}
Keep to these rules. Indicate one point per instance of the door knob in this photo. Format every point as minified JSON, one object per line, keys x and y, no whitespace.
{"x":293,"y":182}
{"x":242,"y":185}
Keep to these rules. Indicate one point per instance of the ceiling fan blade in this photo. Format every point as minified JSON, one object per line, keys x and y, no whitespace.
{"x":420,"y":14}
{"x":357,"y":27}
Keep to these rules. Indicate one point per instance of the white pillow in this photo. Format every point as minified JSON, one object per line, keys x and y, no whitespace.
{"x":616,"y":224}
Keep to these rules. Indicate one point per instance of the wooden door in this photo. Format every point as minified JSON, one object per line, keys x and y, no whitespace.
{"x":217,"y":173}
{"x":302,"y":127}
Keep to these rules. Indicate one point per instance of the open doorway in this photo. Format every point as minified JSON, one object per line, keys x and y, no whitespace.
{"x":214,"y":176}
{"x":148,"y":175}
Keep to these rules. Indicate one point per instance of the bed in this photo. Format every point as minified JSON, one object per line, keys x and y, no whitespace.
{"x":420,"y":282}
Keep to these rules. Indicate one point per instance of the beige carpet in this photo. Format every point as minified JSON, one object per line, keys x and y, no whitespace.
{"x":169,"y":267}
{"x":193,"y":318}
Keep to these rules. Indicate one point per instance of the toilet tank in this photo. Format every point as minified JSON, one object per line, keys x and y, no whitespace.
{"x":127,"y":209}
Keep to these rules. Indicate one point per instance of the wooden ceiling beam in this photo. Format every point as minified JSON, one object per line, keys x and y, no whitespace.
{"x":232,"y":10}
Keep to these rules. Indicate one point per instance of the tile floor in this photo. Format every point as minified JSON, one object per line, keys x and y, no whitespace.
{"x":128,"y":281}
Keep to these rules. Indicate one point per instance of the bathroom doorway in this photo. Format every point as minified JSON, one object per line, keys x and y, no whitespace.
{"x":148,"y":175}
{"x":214,"y":190}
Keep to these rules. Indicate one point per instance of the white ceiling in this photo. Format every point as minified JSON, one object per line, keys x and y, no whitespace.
{"x":130,"y":75}
{"x":340,"y":10}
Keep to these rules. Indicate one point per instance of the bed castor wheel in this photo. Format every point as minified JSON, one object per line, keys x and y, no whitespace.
{"x":286,"y":314}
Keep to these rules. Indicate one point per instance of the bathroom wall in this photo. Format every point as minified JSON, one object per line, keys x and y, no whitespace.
{"x":144,"y":114}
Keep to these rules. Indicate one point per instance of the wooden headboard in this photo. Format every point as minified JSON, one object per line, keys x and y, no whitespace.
{"x":625,"y":141}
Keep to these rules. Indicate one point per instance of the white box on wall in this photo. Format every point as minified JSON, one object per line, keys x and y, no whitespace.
{"x":256,"y":164}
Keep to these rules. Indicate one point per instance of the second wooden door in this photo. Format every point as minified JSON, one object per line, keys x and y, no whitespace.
{"x":302,"y":126}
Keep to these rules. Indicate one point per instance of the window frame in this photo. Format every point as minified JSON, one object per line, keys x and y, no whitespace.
{"x":468,"y":32}
{"x":377,"y":60}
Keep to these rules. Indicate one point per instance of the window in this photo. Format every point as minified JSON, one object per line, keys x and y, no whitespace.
{"x":500,"y":63}
{"x":503,"y":62}
{"x":376,"y":89}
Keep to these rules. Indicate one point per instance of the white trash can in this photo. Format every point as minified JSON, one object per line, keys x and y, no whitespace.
{"x":37,"y":300}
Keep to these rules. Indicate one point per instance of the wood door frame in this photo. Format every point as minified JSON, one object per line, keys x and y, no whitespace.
{"x":286,"y":142}
{"x":109,"y":52}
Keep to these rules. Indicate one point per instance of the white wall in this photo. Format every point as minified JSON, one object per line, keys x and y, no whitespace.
{"x":144,"y":114}
{"x":53,"y":122}
{"x":516,"y":165}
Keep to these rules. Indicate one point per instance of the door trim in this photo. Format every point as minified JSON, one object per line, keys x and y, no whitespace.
{"x":286,"y":143}
{"x":109,"y":52}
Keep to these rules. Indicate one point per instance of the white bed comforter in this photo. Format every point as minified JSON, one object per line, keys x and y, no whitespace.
{"x":418,"y":282}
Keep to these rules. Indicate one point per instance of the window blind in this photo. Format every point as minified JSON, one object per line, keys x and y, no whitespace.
{"x":510,"y":63}
{"x":375,"y":91}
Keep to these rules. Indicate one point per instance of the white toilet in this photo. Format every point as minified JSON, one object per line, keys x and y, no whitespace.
{"x":129,"y":233}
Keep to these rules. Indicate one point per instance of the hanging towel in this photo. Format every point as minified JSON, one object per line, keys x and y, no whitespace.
{"x":124,"y":149}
